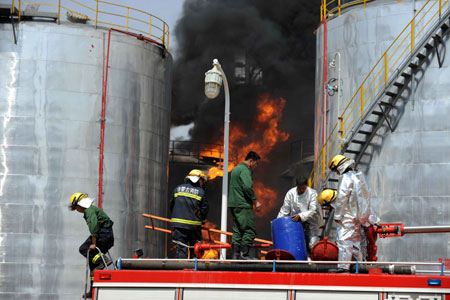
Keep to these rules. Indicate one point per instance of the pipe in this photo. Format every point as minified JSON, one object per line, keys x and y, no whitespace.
{"x":101,"y":145}
{"x":324,"y":86}
{"x":426,"y":229}
{"x":143,"y":264}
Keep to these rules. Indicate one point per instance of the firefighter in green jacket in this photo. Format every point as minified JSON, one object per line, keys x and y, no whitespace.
{"x":241,"y":201}
{"x":101,"y":232}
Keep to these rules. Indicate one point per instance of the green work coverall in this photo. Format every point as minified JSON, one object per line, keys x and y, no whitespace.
{"x":240,"y":202}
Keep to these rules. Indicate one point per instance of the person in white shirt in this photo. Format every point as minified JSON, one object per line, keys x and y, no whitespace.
{"x":301,"y":204}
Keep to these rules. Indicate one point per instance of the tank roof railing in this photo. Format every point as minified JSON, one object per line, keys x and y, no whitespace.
{"x":101,"y":12}
{"x":329,"y":8}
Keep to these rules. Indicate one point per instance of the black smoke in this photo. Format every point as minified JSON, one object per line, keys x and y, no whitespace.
{"x":277,"y":40}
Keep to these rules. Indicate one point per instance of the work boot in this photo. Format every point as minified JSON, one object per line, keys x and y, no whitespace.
{"x":246,"y":253}
{"x":236,"y":251}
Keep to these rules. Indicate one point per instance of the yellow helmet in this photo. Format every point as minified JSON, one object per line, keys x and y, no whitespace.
{"x":327,"y":196}
{"x":337,"y":161}
{"x":194,"y":175}
{"x":75,"y":199}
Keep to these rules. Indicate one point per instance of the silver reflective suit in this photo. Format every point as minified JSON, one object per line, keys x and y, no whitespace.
{"x":308,"y":208}
{"x":352,"y":211}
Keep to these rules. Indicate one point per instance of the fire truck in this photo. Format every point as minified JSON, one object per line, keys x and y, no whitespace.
{"x":284,"y":280}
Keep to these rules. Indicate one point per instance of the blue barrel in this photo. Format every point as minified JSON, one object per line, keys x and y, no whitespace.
{"x":289,"y":236}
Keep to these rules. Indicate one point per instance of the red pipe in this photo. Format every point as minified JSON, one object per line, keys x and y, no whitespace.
{"x":103,"y":113}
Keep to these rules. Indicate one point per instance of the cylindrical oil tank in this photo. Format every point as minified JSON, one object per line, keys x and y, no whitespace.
{"x":406,"y":169}
{"x":51,"y":85}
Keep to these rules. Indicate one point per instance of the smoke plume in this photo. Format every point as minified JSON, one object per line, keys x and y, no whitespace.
{"x":265,"y":47}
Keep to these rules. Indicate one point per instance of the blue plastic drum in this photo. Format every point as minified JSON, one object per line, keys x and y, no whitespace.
{"x":289,"y":236}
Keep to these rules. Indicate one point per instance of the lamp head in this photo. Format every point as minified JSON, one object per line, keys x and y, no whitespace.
{"x":213,"y":82}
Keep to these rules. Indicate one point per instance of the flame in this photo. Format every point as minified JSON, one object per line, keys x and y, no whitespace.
{"x":266,"y":196}
{"x":264,"y":137}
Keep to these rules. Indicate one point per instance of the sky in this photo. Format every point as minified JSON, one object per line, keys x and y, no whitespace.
{"x":168,"y":10}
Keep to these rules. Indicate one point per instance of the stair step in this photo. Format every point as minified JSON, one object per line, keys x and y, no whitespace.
{"x":391,"y":94}
{"x":421,"y":56}
{"x":371,"y":123}
{"x":429,"y":46}
{"x":364,"y":132}
{"x":358,"y":142}
{"x":444,"y":27}
{"x":406,"y":75}
{"x":352,"y":151}
{"x":377,"y":113}
{"x":333,"y":180}
{"x":386,"y":104}
{"x":413,"y":65}
{"x":399,"y":84}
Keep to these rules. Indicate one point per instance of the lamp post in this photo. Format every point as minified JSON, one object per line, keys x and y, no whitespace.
{"x":213,"y":82}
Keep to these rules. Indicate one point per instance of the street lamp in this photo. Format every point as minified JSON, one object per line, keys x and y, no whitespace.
{"x":213,"y":82}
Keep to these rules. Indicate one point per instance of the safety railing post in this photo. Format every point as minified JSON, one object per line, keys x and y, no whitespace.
{"x":20,"y":9}
{"x":168,"y":39}
{"x":96,"y":15}
{"x":341,"y":129}
{"x":150,"y":27}
{"x":321,"y":13}
{"x":362,"y":100}
{"x":59,"y":11}
{"x":412,"y":35}
{"x":128,"y":15}
{"x":364,"y":3}
{"x":385,"y":69}
{"x":440,"y":8}
{"x":13,"y":7}
{"x":339,"y":7}
{"x":164,"y":34}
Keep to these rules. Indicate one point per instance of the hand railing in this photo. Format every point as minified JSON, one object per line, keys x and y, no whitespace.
{"x":330,"y":8}
{"x":375,"y":83}
{"x":109,"y":14}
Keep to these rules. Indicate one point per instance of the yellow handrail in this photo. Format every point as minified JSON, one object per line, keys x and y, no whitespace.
{"x":326,"y":13}
{"x":100,"y":12}
{"x":375,"y":82}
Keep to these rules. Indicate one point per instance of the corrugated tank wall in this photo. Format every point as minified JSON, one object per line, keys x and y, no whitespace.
{"x":408,"y":168}
{"x":50,"y":107}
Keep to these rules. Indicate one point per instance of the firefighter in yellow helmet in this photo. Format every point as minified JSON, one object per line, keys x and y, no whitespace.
{"x":327,"y":196}
{"x":101,"y":232}
{"x":354,"y":214}
{"x":189,"y":210}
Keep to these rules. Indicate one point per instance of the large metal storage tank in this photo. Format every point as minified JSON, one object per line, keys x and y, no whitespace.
{"x":408,"y":168}
{"x":50,"y":104}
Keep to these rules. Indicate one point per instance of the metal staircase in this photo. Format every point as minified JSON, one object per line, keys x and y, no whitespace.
{"x":354,"y":132}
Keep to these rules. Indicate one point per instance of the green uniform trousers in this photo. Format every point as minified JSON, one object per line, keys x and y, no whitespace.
{"x":244,"y":226}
